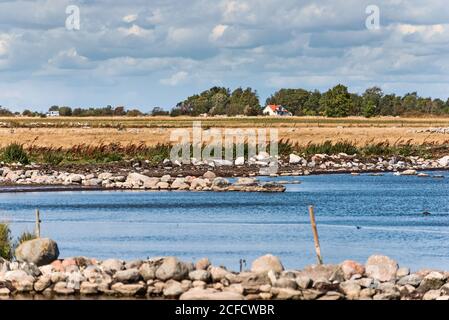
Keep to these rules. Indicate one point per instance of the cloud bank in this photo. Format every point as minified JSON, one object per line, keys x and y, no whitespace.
{"x":154,"y":53}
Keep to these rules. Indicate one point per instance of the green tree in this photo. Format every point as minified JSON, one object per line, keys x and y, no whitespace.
{"x":157,"y":111}
{"x":369,"y":109}
{"x":336,"y":102}
{"x":27,"y":113}
{"x":291,"y":99}
{"x":65,"y":111}
{"x":119,"y":111}
{"x":371,"y":99}
{"x":244,"y":102}
{"x":312,"y":106}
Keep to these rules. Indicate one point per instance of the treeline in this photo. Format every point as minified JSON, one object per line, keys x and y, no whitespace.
{"x":220,"y":101}
{"x":335,"y":102}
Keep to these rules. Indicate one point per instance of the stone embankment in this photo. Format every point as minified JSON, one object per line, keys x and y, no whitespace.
{"x":134,"y":180}
{"x":380,"y":278}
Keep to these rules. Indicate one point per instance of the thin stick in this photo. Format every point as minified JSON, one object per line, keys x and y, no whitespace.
{"x":38,"y":224}
{"x":315,"y":235}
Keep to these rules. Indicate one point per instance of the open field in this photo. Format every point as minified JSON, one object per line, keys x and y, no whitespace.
{"x":66,"y":132}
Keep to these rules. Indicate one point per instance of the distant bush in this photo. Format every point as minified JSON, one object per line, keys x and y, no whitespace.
{"x":6,"y":247}
{"x":327,"y":147}
{"x":53,"y":158}
{"x":15,"y":153}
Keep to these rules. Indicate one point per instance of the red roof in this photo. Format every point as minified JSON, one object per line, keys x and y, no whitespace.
{"x":274,"y":107}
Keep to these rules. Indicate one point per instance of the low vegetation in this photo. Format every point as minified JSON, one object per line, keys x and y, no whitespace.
{"x":109,"y":153}
{"x":8,"y":244}
{"x":14,"y":152}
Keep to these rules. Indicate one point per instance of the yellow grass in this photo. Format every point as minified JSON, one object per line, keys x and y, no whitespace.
{"x":66,"y":132}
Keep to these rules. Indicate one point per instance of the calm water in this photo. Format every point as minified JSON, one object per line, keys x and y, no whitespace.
{"x":229,"y":226}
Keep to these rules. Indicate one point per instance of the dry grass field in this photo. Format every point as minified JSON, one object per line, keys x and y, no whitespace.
{"x":66,"y":132}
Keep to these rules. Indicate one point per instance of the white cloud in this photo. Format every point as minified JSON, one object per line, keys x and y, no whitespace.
{"x":130,"y":18}
{"x":218,"y":31}
{"x":175,"y":79}
{"x":135,"y":30}
{"x":4,"y":44}
{"x":69,"y":59}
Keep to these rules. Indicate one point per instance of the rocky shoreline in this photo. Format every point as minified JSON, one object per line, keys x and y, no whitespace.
{"x":380,"y":278}
{"x":207,"y":175}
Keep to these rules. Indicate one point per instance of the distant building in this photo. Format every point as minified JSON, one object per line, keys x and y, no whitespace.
{"x":53,"y":114}
{"x":276,"y":110}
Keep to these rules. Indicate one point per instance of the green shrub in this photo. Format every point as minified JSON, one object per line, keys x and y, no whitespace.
{"x":327,"y":147}
{"x":15,"y":153}
{"x":6,"y":247}
{"x":25,"y":236}
{"x":53,"y":158}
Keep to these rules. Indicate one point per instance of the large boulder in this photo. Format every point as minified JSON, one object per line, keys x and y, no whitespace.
{"x":381,"y":268}
{"x":350,"y":268}
{"x":294,"y":159}
{"x":138,"y":179}
{"x":209,"y":175}
{"x":246,"y":182}
{"x":267,"y":263}
{"x":443,"y":161}
{"x":40,"y":251}
{"x":410,"y":172}
{"x":323,"y":273}
{"x":220,"y":182}
{"x":172,"y":268}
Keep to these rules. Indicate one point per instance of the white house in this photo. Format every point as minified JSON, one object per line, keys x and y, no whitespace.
{"x":53,"y":114}
{"x":276,"y":110}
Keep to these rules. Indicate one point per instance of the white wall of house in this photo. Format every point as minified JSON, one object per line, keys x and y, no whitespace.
{"x":269,"y":111}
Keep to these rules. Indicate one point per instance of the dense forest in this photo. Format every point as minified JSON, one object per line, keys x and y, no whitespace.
{"x":335,"y":102}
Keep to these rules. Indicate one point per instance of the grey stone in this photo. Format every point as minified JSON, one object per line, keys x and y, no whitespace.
{"x":172,"y":268}
{"x":412,"y":279}
{"x":88,"y":288}
{"x":127,"y":276}
{"x":148,"y":271}
{"x":129,"y":289}
{"x":381,"y":268}
{"x":200,"y":275}
{"x":173,"y":288}
{"x":40,"y":251}
{"x":42,"y":283}
{"x":286,"y":283}
{"x":351,"y":289}
{"x":432,"y":281}
{"x":431,"y":295}
{"x":112,"y":265}
{"x":267,"y":263}
{"x":304,"y":282}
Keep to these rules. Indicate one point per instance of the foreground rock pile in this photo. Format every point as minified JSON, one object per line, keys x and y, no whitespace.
{"x":134,"y":180}
{"x":167,"y":277}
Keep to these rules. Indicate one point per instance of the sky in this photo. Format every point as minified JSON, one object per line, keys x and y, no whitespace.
{"x":143,"y":54}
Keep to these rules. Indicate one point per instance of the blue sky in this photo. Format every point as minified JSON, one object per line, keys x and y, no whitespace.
{"x":155,"y":53}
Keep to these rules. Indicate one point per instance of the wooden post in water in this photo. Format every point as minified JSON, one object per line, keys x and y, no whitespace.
{"x":38,"y":224}
{"x":315,"y":235}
